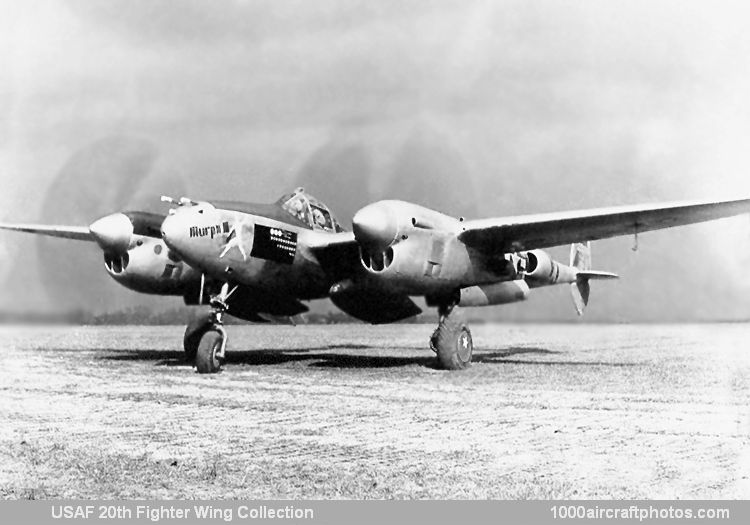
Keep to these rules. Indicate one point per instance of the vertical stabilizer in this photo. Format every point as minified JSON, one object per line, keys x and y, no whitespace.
{"x":580,"y":256}
{"x":580,"y":260}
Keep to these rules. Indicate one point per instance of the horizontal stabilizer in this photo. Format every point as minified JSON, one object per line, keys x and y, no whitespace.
{"x":594,"y":275}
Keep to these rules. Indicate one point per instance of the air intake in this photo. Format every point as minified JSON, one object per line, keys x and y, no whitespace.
{"x":376,"y":261}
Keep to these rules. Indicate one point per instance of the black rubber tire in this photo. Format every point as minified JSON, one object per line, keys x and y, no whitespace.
{"x":206,"y":361}
{"x":193,"y":334}
{"x":453,"y":345}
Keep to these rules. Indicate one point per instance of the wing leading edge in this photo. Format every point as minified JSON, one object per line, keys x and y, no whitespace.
{"x":527,"y":232}
{"x":80,"y":233}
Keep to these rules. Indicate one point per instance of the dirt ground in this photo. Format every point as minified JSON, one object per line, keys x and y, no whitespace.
{"x":353,"y":411}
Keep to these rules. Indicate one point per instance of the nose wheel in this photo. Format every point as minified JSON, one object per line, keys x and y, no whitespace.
{"x":205,"y":338}
{"x":210,"y":353}
{"x":451,"y":340}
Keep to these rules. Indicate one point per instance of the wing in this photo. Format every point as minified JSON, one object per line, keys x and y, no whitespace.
{"x":321,"y":241}
{"x":526,"y":232}
{"x":355,"y":293}
{"x":338,"y":253}
{"x":80,"y":233}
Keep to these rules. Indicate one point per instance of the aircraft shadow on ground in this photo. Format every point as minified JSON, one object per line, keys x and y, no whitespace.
{"x":500,"y":357}
{"x":322,"y":357}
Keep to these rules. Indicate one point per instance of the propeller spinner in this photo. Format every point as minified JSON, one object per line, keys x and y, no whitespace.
{"x":112,"y":232}
{"x":375,"y":227}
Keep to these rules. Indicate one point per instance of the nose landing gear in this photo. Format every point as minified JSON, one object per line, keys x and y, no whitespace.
{"x":210,"y":353}
{"x":205,"y":339}
{"x":451,"y":340}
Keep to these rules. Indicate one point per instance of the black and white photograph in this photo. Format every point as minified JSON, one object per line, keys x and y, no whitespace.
{"x":374,"y":250}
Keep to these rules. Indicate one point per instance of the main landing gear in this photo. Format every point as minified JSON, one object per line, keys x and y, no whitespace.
{"x":451,"y":340}
{"x":205,"y":338}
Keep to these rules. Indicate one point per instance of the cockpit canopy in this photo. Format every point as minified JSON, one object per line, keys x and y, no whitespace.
{"x":309,"y":210}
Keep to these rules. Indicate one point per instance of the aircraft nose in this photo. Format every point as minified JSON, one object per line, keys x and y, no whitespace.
{"x":113,"y":232}
{"x":375,"y":226}
{"x":173,"y":229}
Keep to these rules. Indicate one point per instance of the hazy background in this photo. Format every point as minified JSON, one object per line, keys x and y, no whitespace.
{"x":480,"y":108}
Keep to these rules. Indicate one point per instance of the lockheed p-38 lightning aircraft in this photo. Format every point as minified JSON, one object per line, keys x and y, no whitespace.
{"x":252,"y":261}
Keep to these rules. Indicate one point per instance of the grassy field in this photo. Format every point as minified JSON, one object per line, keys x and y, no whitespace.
{"x":353,"y":411}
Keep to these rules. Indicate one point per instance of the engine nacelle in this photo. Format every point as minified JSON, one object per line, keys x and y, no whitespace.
{"x":542,"y":270}
{"x":149,"y":267}
{"x":411,"y":248}
{"x":492,"y":294}
{"x":539,"y":265}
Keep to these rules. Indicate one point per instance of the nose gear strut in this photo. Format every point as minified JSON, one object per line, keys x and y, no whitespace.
{"x":205,"y":339}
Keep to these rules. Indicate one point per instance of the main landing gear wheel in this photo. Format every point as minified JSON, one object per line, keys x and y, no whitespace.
{"x":451,"y":341}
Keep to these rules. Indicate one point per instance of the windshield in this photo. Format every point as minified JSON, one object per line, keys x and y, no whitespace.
{"x":321,"y":217}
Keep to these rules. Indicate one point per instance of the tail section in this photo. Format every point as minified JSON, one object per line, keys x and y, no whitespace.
{"x":580,"y":256}
{"x":580,"y":260}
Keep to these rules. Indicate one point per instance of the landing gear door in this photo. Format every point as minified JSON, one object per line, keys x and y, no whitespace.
{"x":435,"y":257}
